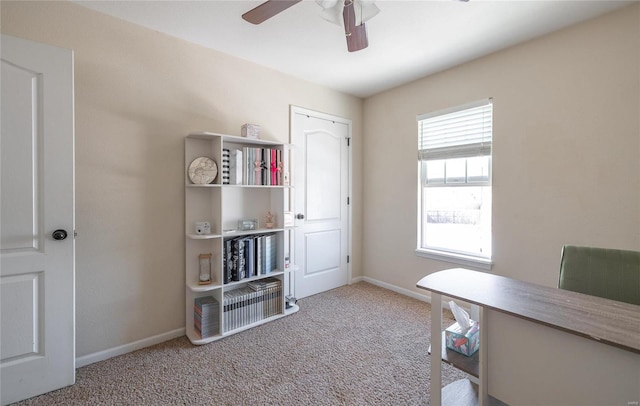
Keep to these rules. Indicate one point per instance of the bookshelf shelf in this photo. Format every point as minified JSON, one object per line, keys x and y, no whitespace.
{"x":204,"y":186}
{"x":235,"y":233}
{"x":258,"y":186}
{"x":203,"y":236}
{"x":253,"y":278}
{"x":238,"y":258}
{"x":200,"y":341}
{"x":195,"y":287}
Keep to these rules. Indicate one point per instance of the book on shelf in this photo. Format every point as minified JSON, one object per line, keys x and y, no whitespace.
{"x":226,"y":169}
{"x":206,"y":316}
{"x":249,"y":256}
{"x":227,"y":264}
{"x":263,"y":284}
{"x":246,"y":306}
{"x":235,"y":167}
{"x":259,"y":166}
{"x":238,"y":258}
{"x":250,"y":245}
{"x":247,"y":166}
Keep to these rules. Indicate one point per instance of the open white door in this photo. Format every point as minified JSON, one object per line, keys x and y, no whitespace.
{"x":321,"y":200}
{"x":37,"y":263}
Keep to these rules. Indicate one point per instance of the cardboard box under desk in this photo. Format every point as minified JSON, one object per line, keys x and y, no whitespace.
{"x":466,"y":342}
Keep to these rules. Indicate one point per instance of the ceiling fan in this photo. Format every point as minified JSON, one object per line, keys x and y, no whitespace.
{"x":354,"y":14}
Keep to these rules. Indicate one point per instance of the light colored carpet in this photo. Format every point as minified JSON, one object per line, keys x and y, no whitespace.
{"x":355,"y":345}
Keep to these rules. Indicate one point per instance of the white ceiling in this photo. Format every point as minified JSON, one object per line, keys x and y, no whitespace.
{"x":407,"y":39}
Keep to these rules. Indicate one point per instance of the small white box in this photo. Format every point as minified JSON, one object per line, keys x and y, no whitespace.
{"x":251,"y":131}
{"x":203,"y":227}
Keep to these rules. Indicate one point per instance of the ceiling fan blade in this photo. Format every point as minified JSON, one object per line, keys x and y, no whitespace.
{"x":356,"y":34}
{"x":267,"y":10}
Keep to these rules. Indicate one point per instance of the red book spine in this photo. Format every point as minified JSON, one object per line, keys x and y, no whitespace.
{"x":274,"y":167}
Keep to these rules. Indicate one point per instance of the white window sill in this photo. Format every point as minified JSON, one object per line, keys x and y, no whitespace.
{"x":466,"y":260}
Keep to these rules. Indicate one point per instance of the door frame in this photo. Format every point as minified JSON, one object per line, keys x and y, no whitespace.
{"x":293,"y":110}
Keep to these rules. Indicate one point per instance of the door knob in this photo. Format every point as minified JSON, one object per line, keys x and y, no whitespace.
{"x":300,"y":216}
{"x":59,"y":235}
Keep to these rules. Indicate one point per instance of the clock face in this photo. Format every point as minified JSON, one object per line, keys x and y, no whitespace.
{"x":203,"y":171}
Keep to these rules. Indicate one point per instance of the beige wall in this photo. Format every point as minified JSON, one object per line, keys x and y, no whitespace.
{"x":138,"y":93}
{"x":566,"y":170}
{"x":566,"y":154}
{"x":566,"y":151}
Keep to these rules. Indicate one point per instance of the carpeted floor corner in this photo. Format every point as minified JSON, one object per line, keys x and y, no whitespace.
{"x":355,"y":345}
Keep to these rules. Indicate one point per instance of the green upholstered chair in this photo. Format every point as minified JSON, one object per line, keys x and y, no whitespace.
{"x":609,"y":273}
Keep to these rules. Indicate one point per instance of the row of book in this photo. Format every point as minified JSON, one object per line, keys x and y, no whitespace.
{"x":249,"y":256}
{"x":206,"y":316}
{"x":252,"y":166}
{"x":255,"y":302}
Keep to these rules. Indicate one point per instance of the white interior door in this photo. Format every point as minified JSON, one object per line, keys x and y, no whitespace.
{"x":37,"y":324}
{"x":321,"y":192}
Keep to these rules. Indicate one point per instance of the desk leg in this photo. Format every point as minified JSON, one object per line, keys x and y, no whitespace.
{"x":436,"y":349}
{"x":483,"y":394}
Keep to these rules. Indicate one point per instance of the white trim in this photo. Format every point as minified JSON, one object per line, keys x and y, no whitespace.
{"x":356,"y":280}
{"x":410,"y":293}
{"x":475,"y":263}
{"x":397,"y":289}
{"x":127,"y":348}
{"x":454,"y":109}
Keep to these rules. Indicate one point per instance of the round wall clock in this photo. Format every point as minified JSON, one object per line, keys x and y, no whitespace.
{"x":203,"y":171}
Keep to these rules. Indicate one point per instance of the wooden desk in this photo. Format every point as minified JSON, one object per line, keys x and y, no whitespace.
{"x":603,"y":320}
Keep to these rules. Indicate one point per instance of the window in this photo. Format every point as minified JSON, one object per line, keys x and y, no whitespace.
{"x":454,"y":197}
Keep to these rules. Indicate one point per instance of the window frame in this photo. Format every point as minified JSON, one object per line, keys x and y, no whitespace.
{"x":462,"y":258}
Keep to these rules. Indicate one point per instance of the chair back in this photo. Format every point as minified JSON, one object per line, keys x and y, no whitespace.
{"x":609,"y":273}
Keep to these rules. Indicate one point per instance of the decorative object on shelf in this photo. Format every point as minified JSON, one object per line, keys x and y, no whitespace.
{"x":247,"y":224}
{"x":288,"y":219}
{"x":205,"y":269}
{"x":464,"y":335}
{"x":269,"y":220}
{"x":251,"y":131}
{"x":203,"y":227}
{"x":203,"y":171}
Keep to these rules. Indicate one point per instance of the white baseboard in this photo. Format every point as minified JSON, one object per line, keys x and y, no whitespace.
{"x":407,"y":292}
{"x":157,"y":339}
{"x":126,"y":348}
{"x":397,"y":289}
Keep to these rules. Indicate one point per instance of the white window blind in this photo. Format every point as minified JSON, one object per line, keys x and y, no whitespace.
{"x":460,"y":132}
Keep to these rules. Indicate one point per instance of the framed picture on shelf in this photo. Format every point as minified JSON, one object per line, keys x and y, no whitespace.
{"x":247,"y":224}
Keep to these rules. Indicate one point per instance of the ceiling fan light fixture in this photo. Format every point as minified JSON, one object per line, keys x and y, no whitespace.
{"x":365,"y":10}
{"x":332,"y":10}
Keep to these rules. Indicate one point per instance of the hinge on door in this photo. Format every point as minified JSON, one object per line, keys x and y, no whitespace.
{"x":348,"y":201}
{"x":348,"y":142}
{"x":347,"y":259}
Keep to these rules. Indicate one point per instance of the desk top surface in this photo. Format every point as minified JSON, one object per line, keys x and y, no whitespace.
{"x":607,"y":321}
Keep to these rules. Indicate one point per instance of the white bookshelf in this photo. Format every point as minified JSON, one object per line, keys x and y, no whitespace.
{"x":223,"y":205}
